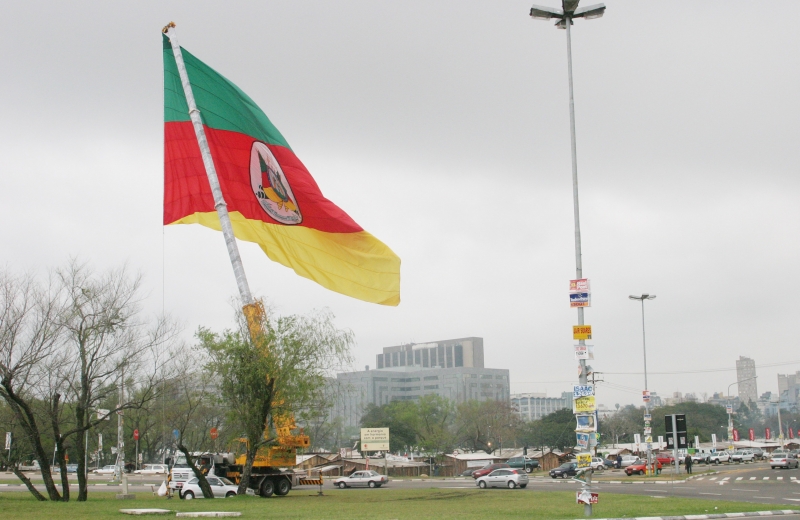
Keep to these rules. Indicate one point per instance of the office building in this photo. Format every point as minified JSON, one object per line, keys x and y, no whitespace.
{"x":746,"y":379}
{"x":532,"y":406}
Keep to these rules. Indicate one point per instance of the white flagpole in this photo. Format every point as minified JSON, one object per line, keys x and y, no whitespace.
{"x":213,"y":180}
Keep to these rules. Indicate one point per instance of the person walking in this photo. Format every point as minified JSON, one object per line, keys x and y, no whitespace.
{"x":688,"y":462}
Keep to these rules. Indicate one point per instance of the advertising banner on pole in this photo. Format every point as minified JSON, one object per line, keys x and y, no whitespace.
{"x":637,"y":439}
{"x":582,"y":439}
{"x":586,"y":423}
{"x":752,"y":434}
{"x":8,"y":441}
{"x":791,"y":433}
{"x":646,"y":396}
{"x":581,"y":299}
{"x":581,"y":285}
{"x":585,"y":496}
{"x":584,"y":352}
{"x":735,"y":435}
{"x":582,"y":391}
{"x":584,"y":404}
{"x":581,"y":332}
{"x":767,"y":433}
{"x":714,"y":440}
{"x":584,"y":460}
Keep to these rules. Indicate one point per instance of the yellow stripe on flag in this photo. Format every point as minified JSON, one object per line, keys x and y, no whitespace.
{"x":354,"y":264}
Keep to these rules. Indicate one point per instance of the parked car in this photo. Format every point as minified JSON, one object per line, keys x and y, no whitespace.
{"x":153,"y":469}
{"x":366,"y":478}
{"x":627,"y":460}
{"x":699,"y":458}
{"x":719,"y":457}
{"x":468,"y":472}
{"x":640,"y":467}
{"x":568,"y":469}
{"x":782,"y":460}
{"x":523,"y":463}
{"x":488,"y":469}
{"x":506,"y":477}
{"x":598,"y":464}
{"x":34,"y":466}
{"x":105,"y":470}
{"x":665,"y":458}
{"x":72,"y":468}
{"x":759,"y":453}
{"x":220,"y":486}
{"x":743,"y":456}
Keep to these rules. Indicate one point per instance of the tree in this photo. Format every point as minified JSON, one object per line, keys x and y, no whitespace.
{"x":64,"y":346}
{"x":271,"y":368}
{"x":482,"y":425}
{"x":400,"y":417}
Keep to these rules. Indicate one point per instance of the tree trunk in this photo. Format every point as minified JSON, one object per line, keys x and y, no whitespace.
{"x":60,"y":448}
{"x":247,"y":471}
{"x":25,"y":480}
{"x":201,"y":477}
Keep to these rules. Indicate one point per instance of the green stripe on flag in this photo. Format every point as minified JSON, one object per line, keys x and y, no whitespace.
{"x":222,"y":104}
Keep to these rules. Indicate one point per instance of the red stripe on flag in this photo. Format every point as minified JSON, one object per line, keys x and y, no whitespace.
{"x":187,"y":191}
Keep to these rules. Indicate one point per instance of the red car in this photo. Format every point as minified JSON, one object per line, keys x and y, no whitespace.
{"x":665,"y":458}
{"x":639,"y":467}
{"x":488,"y":469}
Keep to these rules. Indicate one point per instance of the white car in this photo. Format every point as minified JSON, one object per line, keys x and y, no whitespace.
{"x":780,"y":459}
{"x":105,"y":470}
{"x":504,"y":477}
{"x":152,"y":469}
{"x":222,"y":488}
{"x":627,"y":460}
{"x":598,"y":464}
{"x":719,"y":457}
{"x":367,"y":478}
{"x":743,"y":456}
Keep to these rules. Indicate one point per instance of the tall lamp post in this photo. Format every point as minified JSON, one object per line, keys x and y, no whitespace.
{"x":729,"y":408}
{"x":569,"y":11}
{"x":642,"y":298}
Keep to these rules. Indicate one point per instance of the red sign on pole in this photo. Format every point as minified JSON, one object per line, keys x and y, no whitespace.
{"x":136,"y":435}
{"x":752,"y":434}
{"x":767,"y":434}
{"x":791,"y":433}
{"x":735,"y":435}
{"x":214,"y":433}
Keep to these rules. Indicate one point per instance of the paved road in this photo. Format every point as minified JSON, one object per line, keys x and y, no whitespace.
{"x":749,"y":483}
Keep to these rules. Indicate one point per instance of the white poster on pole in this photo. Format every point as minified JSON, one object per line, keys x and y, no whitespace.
{"x":714,"y":440}
{"x":8,"y":440}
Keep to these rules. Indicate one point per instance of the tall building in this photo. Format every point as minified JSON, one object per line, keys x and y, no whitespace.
{"x":532,"y":406}
{"x":789,"y":390}
{"x":746,"y":379}
{"x":450,"y":368}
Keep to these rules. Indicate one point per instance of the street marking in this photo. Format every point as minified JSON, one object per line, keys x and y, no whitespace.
{"x":765,"y":497}
{"x":752,"y":478}
{"x":766,"y":478}
{"x":793,"y":499}
{"x":716,"y":494}
{"x":726,"y":478}
{"x":699,"y":478}
{"x":739,"y":478}
{"x":712,"y":478}
{"x":780,"y":478}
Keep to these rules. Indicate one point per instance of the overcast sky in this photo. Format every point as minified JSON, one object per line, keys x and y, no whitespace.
{"x":443,"y":129}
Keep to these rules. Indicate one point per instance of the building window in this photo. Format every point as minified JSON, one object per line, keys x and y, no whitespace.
{"x":394,"y":359}
{"x":425,"y":359}
{"x":459,"y":354}
{"x":449,"y":353}
{"x":417,"y":356}
{"x":486,"y":376}
{"x":431,"y":378}
{"x":431,"y":387}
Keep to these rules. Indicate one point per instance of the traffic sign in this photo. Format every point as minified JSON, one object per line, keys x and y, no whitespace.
{"x":136,"y":435}
{"x":214,"y":433}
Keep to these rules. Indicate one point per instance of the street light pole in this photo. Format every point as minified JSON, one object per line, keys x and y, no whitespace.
{"x":565,"y":15}
{"x":730,"y":406}
{"x":642,"y":298}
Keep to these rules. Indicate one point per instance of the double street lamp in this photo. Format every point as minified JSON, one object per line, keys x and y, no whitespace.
{"x":570,"y":10}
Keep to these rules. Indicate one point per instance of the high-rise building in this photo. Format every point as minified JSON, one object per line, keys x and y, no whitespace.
{"x":451,"y":368}
{"x":532,"y":406}
{"x":746,"y":379}
{"x":789,"y":390}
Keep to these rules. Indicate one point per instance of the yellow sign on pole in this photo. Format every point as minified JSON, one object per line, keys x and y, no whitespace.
{"x":584,"y":460}
{"x":581,"y":332}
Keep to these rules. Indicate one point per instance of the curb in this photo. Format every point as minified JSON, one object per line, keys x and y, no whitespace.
{"x":780,"y":512}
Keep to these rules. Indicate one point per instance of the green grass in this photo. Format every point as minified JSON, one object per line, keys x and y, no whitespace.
{"x":377,"y":504}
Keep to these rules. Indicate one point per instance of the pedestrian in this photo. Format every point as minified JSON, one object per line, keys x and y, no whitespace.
{"x":688,"y":462}
{"x":619,"y":461}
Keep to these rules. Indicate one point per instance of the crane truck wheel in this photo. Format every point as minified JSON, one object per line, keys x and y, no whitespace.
{"x":267,"y":488}
{"x":283,"y":487}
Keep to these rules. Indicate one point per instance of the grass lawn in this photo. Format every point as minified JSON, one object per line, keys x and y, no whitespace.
{"x":371,"y":504}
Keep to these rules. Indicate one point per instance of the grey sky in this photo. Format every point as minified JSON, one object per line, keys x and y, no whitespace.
{"x":443,"y":129}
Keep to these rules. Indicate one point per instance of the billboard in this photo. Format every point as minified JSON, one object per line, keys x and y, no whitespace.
{"x":586,"y":497}
{"x":586,"y":423}
{"x":584,"y":404}
{"x":374,"y":439}
{"x":584,"y":351}
{"x":582,"y":299}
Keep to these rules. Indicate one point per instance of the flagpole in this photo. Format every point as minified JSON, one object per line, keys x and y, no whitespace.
{"x":213,"y":180}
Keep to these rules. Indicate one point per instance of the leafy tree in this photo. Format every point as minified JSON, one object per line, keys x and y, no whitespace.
{"x":483,"y":425}
{"x":702,"y":419}
{"x":400,"y":417}
{"x":270,"y":369}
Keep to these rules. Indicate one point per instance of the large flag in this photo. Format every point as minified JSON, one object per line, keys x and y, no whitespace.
{"x":271,"y":197}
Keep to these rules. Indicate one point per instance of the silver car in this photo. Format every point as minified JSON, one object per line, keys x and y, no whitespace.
{"x":222,"y":488}
{"x":366,"y":478}
{"x":782,"y":460}
{"x":504,"y":477}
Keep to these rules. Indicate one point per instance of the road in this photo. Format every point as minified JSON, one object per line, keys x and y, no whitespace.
{"x":749,"y":483}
